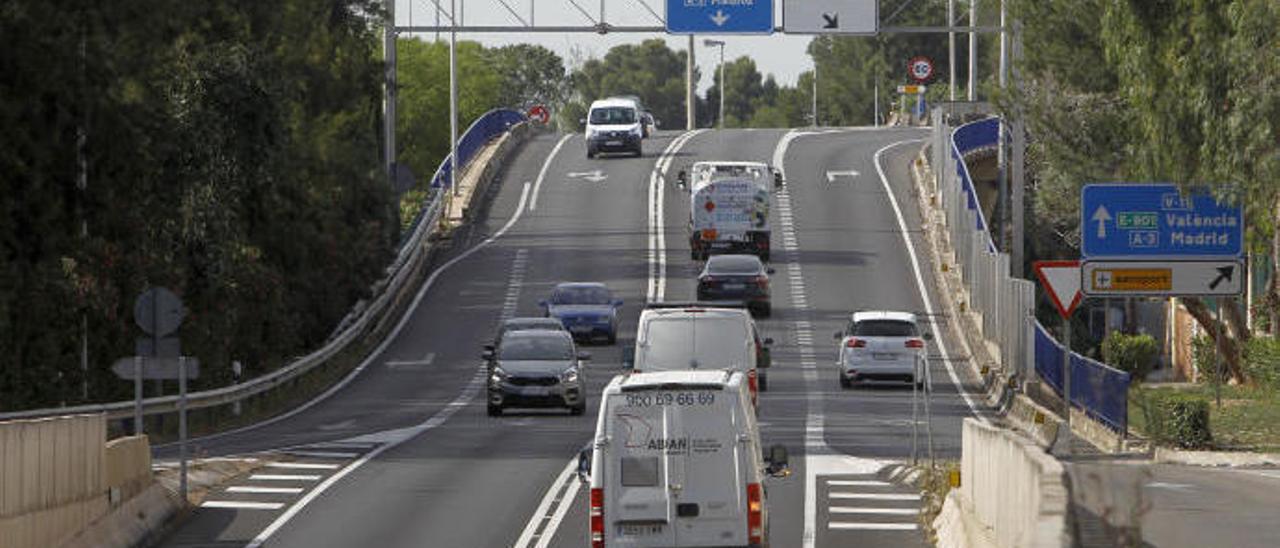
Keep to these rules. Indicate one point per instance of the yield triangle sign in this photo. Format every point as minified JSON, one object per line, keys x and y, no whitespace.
{"x":1061,"y":280}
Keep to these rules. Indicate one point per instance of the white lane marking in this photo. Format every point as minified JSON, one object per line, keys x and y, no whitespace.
{"x":400,"y":436}
{"x":303,"y":466}
{"x":780,"y":153}
{"x":540,"y":514}
{"x":878,"y":511}
{"x":872,"y":526}
{"x":264,"y":490}
{"x":1170,"y":486}
{"x":924,"y":293}
{"x":657,"y":232}
{"x":874,"y":496}
{"x":425,"y":361}
{"x":322,"y":454}
{"x":240,"y":505}
{"x":542,"y":174}
{"x":284,"y":477}
{"x":858,"y":483}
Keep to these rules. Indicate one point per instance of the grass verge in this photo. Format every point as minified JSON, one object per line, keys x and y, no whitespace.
{"x":934,"y":484}
{"x":1247,"y":420}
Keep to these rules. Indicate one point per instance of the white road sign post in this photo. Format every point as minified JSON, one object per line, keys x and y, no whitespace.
{"x":1061,"y":281}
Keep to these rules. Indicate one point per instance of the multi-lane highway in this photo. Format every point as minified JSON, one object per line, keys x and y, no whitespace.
{"x":404,"y":455}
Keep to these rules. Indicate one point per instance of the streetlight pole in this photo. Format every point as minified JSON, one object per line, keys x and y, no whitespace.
{"x":690,"y":98}
{"x":720,"y":44}
{"x":453,"y":98}
{"x":814,"y":95}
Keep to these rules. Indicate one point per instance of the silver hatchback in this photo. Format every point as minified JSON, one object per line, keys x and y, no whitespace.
{"x":882,"y":346}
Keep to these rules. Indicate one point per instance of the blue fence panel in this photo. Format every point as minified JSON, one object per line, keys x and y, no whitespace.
{"x":965,"y":139}
{"x":484,"y":129}
{"x":1097,"y":389}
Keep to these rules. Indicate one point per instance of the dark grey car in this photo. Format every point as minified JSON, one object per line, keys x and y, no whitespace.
{"x":736,"y":278}
{"x":537,"y":369}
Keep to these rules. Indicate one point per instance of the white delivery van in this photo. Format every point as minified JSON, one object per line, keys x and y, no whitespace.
{"x":614,"y":125}
{"x":677,"y":461}
{"x":680,"y":336}
{"x":729,"y":209}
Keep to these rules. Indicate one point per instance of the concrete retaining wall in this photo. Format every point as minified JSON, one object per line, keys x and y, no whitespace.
{"x":1017,"y":493}
{"x":58,"y":475}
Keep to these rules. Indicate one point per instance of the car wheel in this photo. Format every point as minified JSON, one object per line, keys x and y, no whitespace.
{"x":766,"y":310}
{"x":495,"y":411}
{"x":639,"y":151}
{"x":579,"y":410}
{"x":613,"y":337}
{"x":764,"y":382}
{"x":844,"y":382}
{"x":764,"y":256}
{"x":591,"y":154}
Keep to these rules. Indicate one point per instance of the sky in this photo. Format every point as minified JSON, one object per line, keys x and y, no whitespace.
{"x":782,"y":56}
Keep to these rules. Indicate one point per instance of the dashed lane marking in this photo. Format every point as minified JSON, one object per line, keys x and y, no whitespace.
{"x":264,"y":490}
{"x":322,"y":454}
{"x":242,"y":505}
{"x":303,"y":466}
{"x":284,"y":477}
{"x":872,"y":526}
{"x":874,"y":496}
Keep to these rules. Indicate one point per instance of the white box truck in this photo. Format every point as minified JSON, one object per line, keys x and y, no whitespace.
{"x":677,"y":461}
{"x":729,"y":206}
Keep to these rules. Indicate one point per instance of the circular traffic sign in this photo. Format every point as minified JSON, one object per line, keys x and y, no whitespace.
{"x":920,"y":68}
{"x":540,"y":114}
{"x":158,"y":311}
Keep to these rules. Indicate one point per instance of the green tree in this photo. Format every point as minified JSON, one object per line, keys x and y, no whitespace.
{"x":649,"y":70}
{"x":532,"y":75}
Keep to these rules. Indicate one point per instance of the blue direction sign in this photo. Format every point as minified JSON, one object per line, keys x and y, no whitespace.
{"x":720,"y":16}
{"x":1155,"y":220}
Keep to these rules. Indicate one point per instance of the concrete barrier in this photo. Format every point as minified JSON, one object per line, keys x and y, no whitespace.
{"x":1014,"y":493}
{"x":58,"y":475}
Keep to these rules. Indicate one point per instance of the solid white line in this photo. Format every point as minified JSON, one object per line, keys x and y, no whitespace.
{"x":540,"y":514}
{"x":859,"y":483}
{"x":656,"y":210}
{"x":872,"y":526}
{"x":322,"y":454}
{"x":284,"y":477}
{"x":542,"y":174}
{"x":469,"y":392}
{"x":924,"y":293}
{"x":874,"y":496}
{"x":304,"y":466}
{"x":880,"y":511}
{"x":237,"y":505}
{"x":264,"y":490}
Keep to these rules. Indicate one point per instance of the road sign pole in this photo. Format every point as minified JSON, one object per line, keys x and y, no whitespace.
{"x":1066,"y":379}
{"x":137,"y":395}
{"x":1217,"y":358}
{"x":915,"y":421}
{"x":182,"y":428}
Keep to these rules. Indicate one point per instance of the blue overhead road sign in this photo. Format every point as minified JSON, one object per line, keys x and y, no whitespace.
{"x":720,"y":16}
{"x":1156,"y":221}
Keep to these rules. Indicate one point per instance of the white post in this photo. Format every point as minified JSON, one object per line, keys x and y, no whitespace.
{"x":724,"y":89}
{"x":182,"y":427}
{"x":1066,"y":379}
{"x":137,"y":395}
{"x":951,"y":50}
{"x":973,"y":51}
{"x":389,"y":94}
{"x":453,"y":99}
{"x":690,"y":98}
{"x":814,"y":95}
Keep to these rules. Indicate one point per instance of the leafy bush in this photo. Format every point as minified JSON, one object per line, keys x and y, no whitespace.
{"x":1176,"y":418}
{"x":1134,"y":354}
{"x":1203,"y":357}
{"x":1262,"y":361}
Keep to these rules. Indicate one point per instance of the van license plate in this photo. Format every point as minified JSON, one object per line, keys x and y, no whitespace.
{"x":640,"y":530}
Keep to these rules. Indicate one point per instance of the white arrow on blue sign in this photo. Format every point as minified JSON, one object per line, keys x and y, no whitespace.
{"x":720,"y":16}
{"x":1157,"y":221}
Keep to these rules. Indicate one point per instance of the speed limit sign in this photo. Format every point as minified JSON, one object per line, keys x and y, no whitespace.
{"x":920,"y":68}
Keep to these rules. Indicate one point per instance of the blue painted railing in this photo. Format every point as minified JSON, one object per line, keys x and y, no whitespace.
{"x":966,"y":139}
{"x":484,"y":129}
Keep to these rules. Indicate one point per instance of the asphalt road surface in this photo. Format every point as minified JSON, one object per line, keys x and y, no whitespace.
{"x":404,"y":455}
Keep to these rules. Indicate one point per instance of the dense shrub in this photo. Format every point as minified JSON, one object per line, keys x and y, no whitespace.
{"x":1262,"y":361}
{"x":1203,"y":357}
{"x":1176,"y":418}
{"x":1134,"y":354}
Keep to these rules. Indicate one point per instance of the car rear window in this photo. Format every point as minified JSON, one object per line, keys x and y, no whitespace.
{"x":581,"y":295}
{"x":884,"y":328}
{"x":731,"y":264}
{"x":540,"y":348}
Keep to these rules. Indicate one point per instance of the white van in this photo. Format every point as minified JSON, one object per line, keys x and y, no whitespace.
{"x":614,"y":125}
{"x":677,"y":461}
{"x":680,"y":336}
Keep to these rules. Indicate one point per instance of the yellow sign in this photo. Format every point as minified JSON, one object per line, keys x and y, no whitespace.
{"x":1133,"y":279}
{"x":911,"y":89}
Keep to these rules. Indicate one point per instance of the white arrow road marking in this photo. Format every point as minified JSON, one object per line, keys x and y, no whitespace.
{"x":720,"y":18}
{"x":593,"y":176}
{"x":337,"y":425}
{"x":831,"y":175}
{"x":1101,"y":216}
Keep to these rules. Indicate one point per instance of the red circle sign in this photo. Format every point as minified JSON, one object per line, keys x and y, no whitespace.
{"x":920,"y":68}
{"x":540,"y":113}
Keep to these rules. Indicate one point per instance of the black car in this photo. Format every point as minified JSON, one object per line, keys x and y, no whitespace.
{"x":536,"y":369}
{"x":736,"y":278}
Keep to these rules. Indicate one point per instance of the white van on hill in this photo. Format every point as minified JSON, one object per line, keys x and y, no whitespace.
{"x":677,"y":461}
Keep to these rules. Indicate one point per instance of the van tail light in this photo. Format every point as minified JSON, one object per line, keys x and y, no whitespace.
{"x":597,"y":518}
{"x":755,"y":515}
{"x":915,"y":343}
{"x":855,"y":342}
{"x":753,"y":383}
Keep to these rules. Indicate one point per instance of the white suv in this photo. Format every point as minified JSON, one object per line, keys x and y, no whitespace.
{"x":883,"y":346}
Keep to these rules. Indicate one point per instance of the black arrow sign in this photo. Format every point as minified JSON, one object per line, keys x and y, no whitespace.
{"x":1224,"y":273}
{"x":832,"y":20}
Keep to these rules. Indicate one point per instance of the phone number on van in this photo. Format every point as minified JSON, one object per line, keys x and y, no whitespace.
{"x":669,"y":399}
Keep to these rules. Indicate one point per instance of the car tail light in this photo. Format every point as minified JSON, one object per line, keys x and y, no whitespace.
{"x":915,"y":343}
{"x":755,"y":515}
{"x":855,"y":342}
{"x":762,"y":281}
{"x":597,"y":518}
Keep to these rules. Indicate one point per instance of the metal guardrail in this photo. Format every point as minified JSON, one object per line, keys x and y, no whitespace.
{"x":413,"y":250}
{"x":1006,"y":304}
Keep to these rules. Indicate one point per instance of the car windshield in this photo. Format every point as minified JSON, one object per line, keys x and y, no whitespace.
{"x":606,"y":116}
{"x":581,"y":295}
{"x":555,"y":348}
{"x":884,"y":328}
{"x":733,"y":264}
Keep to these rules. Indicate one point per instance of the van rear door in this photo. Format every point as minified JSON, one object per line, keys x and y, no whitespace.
{"x":640,"y":510}
{"x":710,"y":504}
